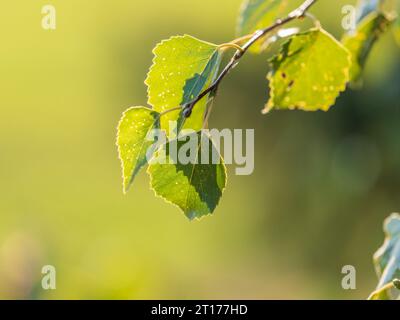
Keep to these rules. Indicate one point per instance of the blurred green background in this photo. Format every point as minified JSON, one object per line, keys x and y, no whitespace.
{"x":322,"y":185}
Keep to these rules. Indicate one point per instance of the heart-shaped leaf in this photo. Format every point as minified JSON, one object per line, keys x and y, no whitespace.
{"x":194,"y":186}
{"x":183,"y":67}
{"x":133,"y":128}
{"x":308,"y":73}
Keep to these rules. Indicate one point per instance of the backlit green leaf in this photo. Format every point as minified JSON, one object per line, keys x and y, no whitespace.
{"x":382,"y":293}
{"x":182,"y":68}
{"x":259,"y":14}
{"x":365,"y":7}
{"x":361,"y":41}
{"x":195,"y":187}
{"x":134,"y":126}
{"x":387,"y":258}
{"x":308,"y":73}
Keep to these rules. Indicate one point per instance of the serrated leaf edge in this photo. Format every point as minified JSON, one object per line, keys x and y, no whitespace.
{"x":125,"y":187}
{"x":151,"y":178}
{"x":154,"y":60}
{"x":269,"y":106}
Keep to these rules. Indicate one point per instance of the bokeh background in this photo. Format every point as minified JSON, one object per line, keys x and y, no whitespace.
{"x":322,"y":185}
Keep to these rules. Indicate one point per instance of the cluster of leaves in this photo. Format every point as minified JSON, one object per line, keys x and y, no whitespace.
{"x":387,"y":262}
{"x":308,"y":72}
{"x":183,"y":66}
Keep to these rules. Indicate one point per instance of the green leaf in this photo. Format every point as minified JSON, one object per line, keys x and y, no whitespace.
{"x":258,"y":14}
{"x":382,"y":293}
{"x":195,"y":187}
{"x":365,"y":7}
{"x":134,"y":126}
{"x":396,"y":284}
{"x":387,"y":258}
{"x":182,"y":68}
{"x":308,"y":73}
{"x":388,"y":7}
{"x":361,"y":41}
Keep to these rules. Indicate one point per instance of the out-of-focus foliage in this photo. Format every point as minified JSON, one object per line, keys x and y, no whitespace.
{"x":387,"y":258}
{"x":384,"y":293}
{"x":361,"y":41}
{"x":397,"y":30}
{"x":374,"y":18}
